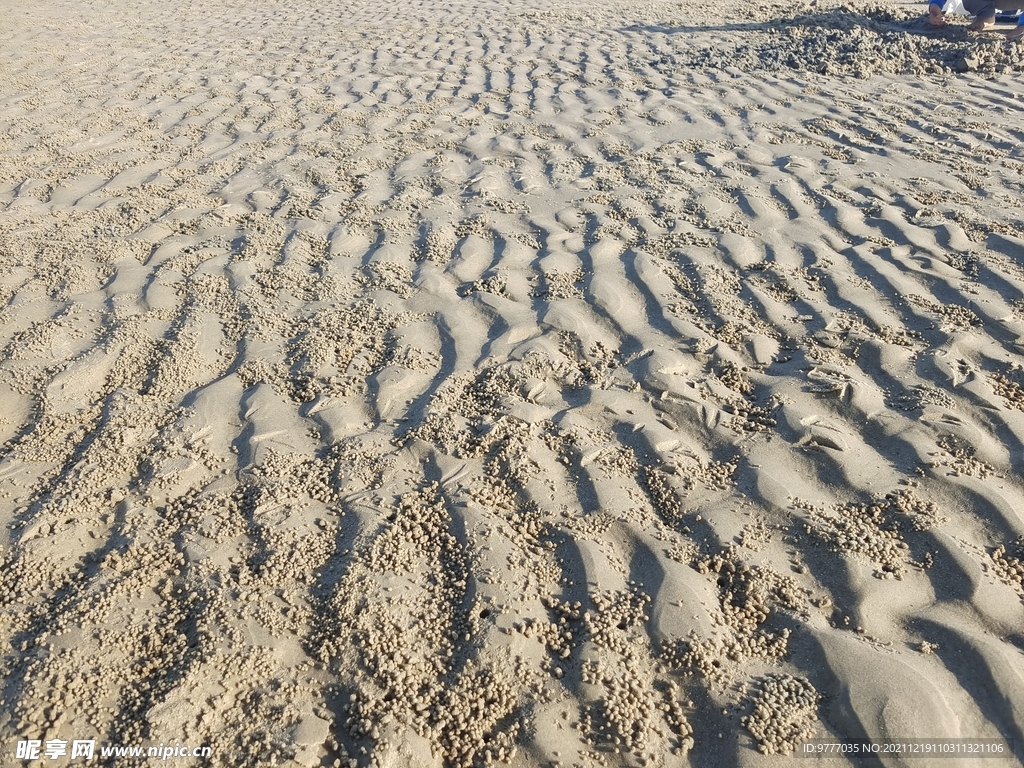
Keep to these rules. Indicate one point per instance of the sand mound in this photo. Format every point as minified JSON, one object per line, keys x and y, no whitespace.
{"x":845,"y":41}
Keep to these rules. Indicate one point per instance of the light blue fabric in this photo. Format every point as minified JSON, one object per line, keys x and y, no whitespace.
{"x":1020,"y":12}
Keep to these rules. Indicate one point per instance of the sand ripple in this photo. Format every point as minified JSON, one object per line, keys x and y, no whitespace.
{"x":475,"y":383}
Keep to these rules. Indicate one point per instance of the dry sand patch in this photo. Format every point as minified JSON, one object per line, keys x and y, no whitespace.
{"x":463,"y":384}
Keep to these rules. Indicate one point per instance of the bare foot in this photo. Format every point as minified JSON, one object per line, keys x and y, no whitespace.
{"x":1017,"y":33}
{"x":935,"y":16}
{"x":980,"y":24}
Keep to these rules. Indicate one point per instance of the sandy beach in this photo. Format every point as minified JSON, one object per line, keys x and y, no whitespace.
{"x":552,"y":385}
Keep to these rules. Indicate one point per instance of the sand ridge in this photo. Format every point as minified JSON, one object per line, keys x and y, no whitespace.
{"x":477,"y":383}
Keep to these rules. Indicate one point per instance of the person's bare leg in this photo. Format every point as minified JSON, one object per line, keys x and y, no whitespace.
{"x":982,"y":23}
{"x":935,"y":15}
{"x":1016,"y":33}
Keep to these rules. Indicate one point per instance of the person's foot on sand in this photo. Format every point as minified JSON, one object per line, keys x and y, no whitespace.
{"x":935,"y":16}
{"x":980,"y":24}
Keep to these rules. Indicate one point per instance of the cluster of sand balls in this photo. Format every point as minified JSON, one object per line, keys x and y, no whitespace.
{"x":489,"y":392}
{"x":468,"y":419}
{"x":22,"y":586}
{"x":960,"y":459}
{"x":749,"y":418}
{"x":875,"y":529}
{"x":556,"y":636}
{"x":916,"y":513}
{"x":492,"y":492}
{"x":506,"y":447}
{"x":495,"y":284}
{"x":746,"y":592}
{"x":443,"y":430}
{"x":863,"y":535}
{"x":714,"y":474}
{"x":748,"y":596}
{"x":497,"y":432}
{"x":475,"y":720}
{"x":664,"y":498}
{"x":323,"y":477}
{"x":1008,"y":562}
{"x":734,"y":377}
{"x":592,"y":365}
{"x":52,"y":440}
{"x":264,"y":714}
{"x":386,"y":276}
{"x":336,"y":350}
{"x":479,"y":725}
{"x":1008,"y":387}
{"x":614,"y":614}
{"x":560,"y":285}
{"x":414,"y":643}
{"x":631,"y":707}
{"x":419,"y":527}
{"x":675,"y":716}
{"x":53,"y":674}
{"x":706,"y":656}
{"x":51,"y":679}
{"x":219,"y":516}
{"x":784,"y":713}
{"x":953,"y":316}
{"x":607,"y":624}
{"x":633,"y":710}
